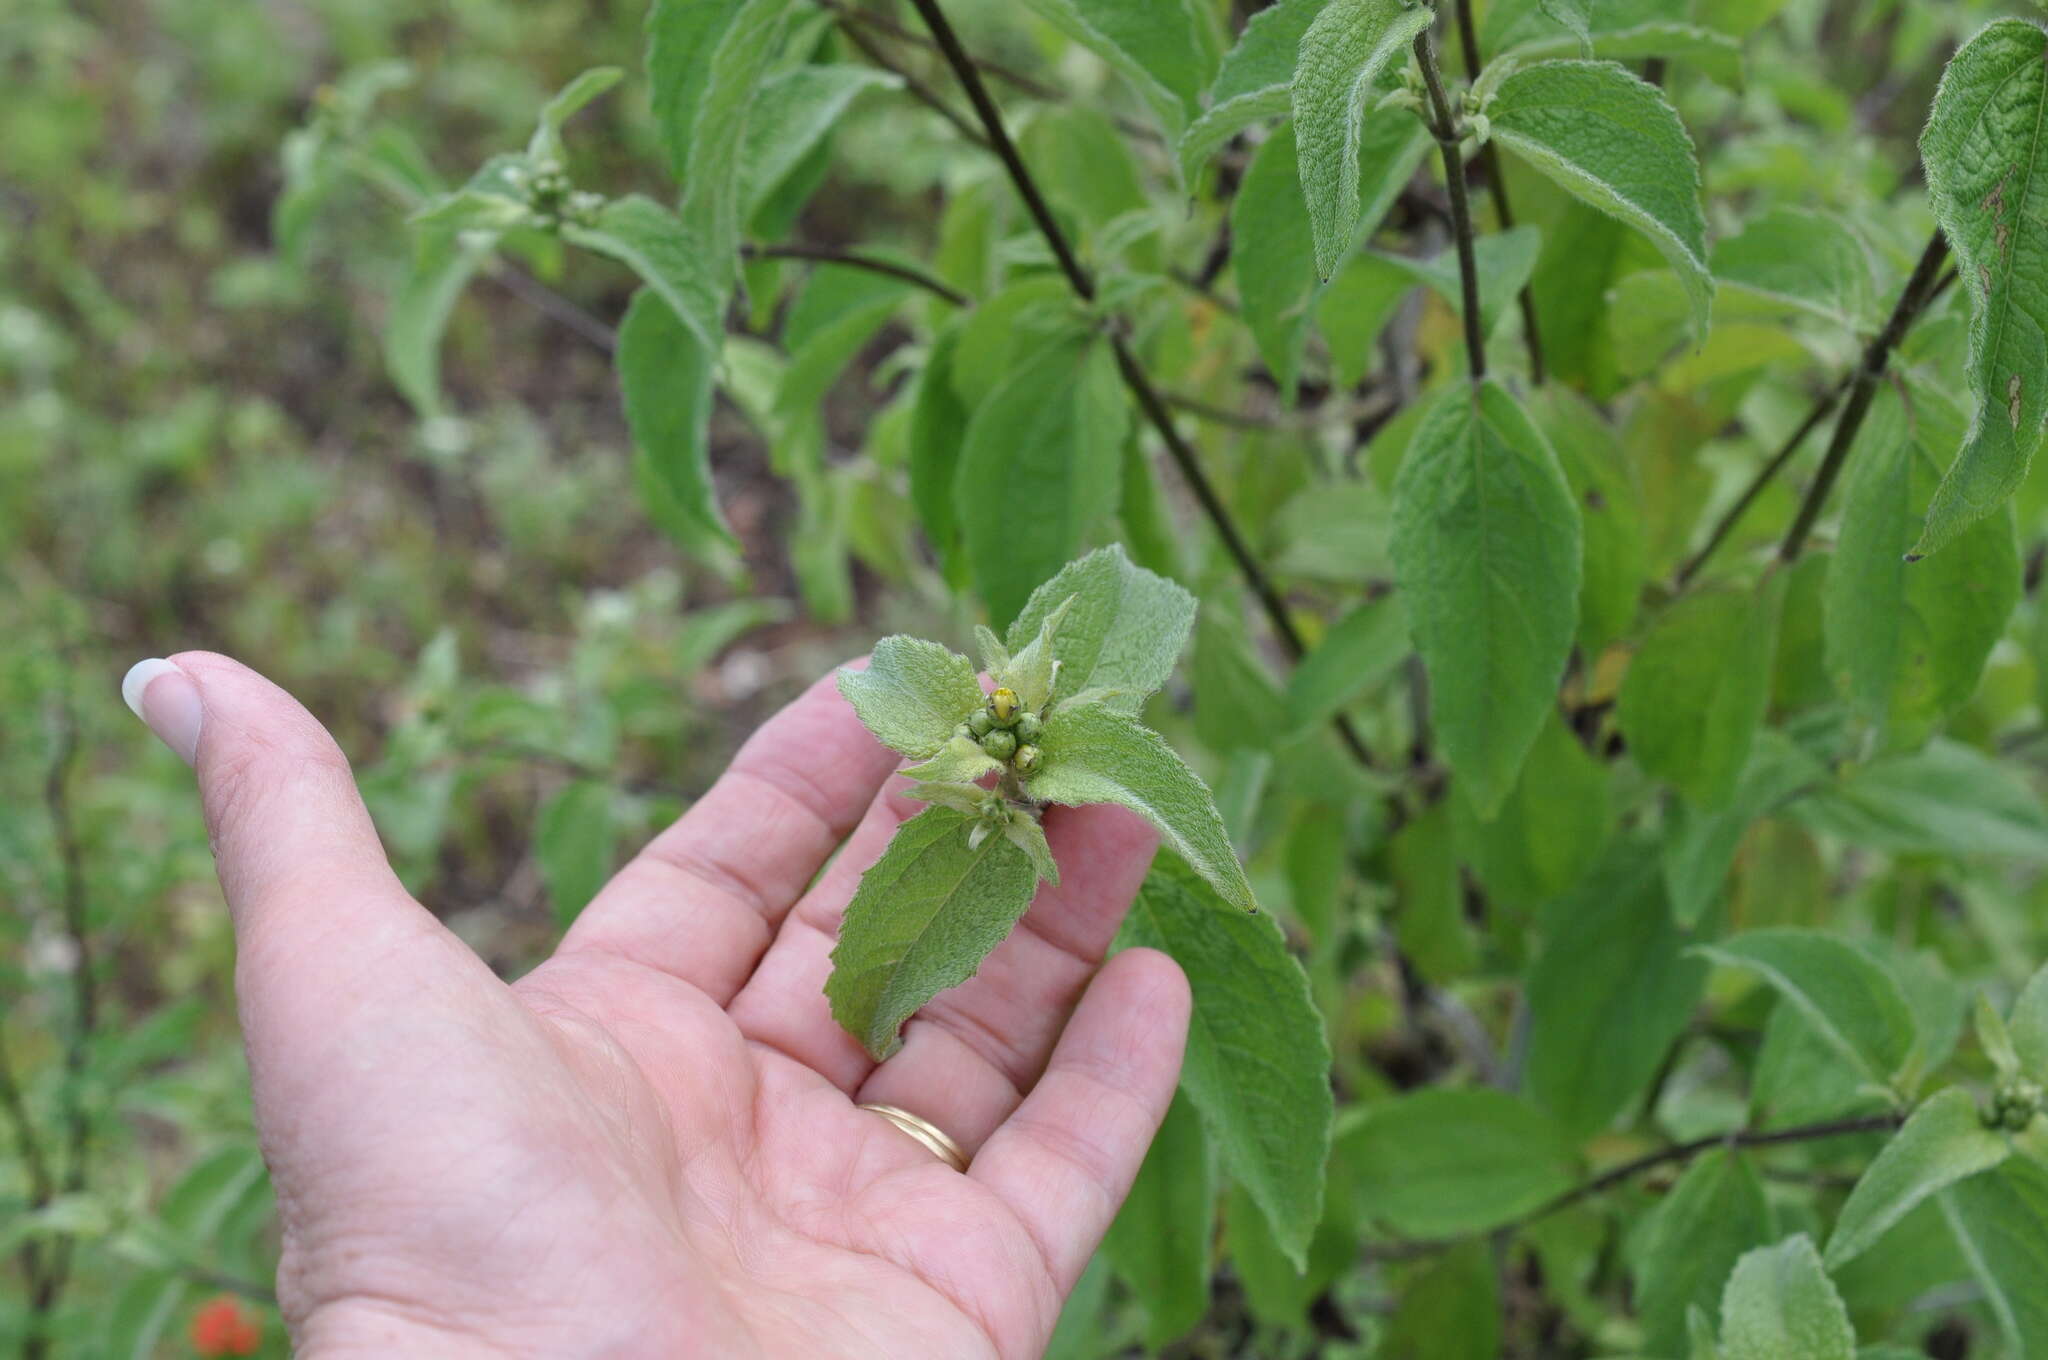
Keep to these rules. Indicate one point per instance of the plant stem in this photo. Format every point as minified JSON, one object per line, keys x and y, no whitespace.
{"x":856,"y":259}
{"x":1148,"y":397}
{"x":1443,"y":125}
{"x":1920,"y":289}
{"x":917,"y":89}
{"x":1497,"y":186}
{"x":1726,"y":524}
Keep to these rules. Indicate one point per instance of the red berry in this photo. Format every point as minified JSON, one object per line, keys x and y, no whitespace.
{"x":223,"y":1327}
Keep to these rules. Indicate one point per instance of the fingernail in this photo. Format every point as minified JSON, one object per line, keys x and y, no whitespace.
{"x":165,"y":698}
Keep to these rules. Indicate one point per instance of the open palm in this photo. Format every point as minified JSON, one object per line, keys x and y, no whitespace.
{"x":651,"y":1145}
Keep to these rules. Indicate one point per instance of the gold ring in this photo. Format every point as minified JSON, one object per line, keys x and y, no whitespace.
{"x":934,"y":1140}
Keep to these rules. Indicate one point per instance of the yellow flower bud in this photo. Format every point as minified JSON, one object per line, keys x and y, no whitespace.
{"x":1003,"y":703}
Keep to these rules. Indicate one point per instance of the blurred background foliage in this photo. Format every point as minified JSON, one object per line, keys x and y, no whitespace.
{"x":200,"y":447}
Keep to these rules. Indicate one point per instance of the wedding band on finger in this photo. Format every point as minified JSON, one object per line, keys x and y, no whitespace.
{"x":933,"y":1138}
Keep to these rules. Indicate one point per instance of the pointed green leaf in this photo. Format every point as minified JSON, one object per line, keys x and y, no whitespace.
{"x":1122,"y":633}
{"x":1780,"y":1305}
{"x":1715,"y":55}
{"x":1851,"y":1002}
{"x":1615,"y":558}
{"x":666,"y":377}
{"x":1906,"y":642}
{"x":960,"y":761}
{"x":1697,"y":688}
{"x":1982,"y":149}
{"x":938,"y":429}
{"x":443,"y":263}
{"x":1360,"y":650}
{"x":682,"y":41}
{"x":912,"y":694}
{"x":1549,"y":830}
{"x":1945,"y":799}
{"x":924,"y":917}
{"x":1255,"y":81}
{"x":1041,"y":468}
{"x":2028,"y":1026}
{"x":1447,"y":1162}
{"x":1027,"y":834}
{"x":1610,"y":993}
{"x":572,"y":844}
{"x":793,"y":114}
{"x":1504,"y":260}
{"x":1700,"y":846}
{"x":714,"y":189}
{"x":1616,"y":143}
{"x":1342,"y":54}
{"x":1257,"y":1064}
{"x":1486,"y":556}
{"x":648,"y":239}
{"x":1160,"y":1241}
{"x":1715,"y":1212}
{"x":1094,"y":754}
{"x":1943,"y":1142}
{"x":2000,"y":1221}
{"x":567,"y":102}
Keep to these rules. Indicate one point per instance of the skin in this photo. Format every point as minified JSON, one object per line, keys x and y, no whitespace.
{"x":650,"y":1145}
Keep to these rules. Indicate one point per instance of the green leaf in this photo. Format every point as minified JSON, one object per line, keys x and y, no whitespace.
{"x":1354,"y":309}
{"x":443,"y":263}
{"x":1504,"y":261}
{"x":1615,"y":143}
{"x":682,"y":42}
{"x":793,"y":114}
{"x":1257,"y":1064}
{"x":1806,"y":262}
{"x":960,"y":761}
{"x":1094,"y":754}
{"x":1449,"y":1308}
{"x":1697,"y":688}
{"x":2000,"y":1221}
{"x":1486,"y":555}
{"x":1852,"y":1003}
{"x":1449,"y":1162}
{"x":1780,"y":1305}
{"x":573,"y":844}
{"x":1943,"y":1142}
{"x":1946,"y":799}
{"x":1342,"y":54}
{"x":1615,"y":560}
{"x":938,"y":428}
{"x":924,"y":917}
{"x":1906,"y":642}
{"x":1610,"y":993}
{"x":1548,"y":831}
{"x":1159,"y":1243}
{"x":1237,"y":702}
{"x":1981,"y":147}
{"x":1360,"y":650}
{"x":666,"y":377}
{"x":912,"y":694}
{"x":1714,"y":1213}
{"x":1576,"y":15}
{"x":1254,"y":82}
{"x":1715,"y":55}
{"x":1701,"y":844}
{"x":2028,"y":1025}
{"x":714,"y":189}
{"x":1272,"y":258}
{"x":648,"y":239}
{"x":1041,"y":468}
{"x":1159,"y":46}
{"x":571,"y":99}
{"x":1431,"y":926}
{"x":1122,"y":633}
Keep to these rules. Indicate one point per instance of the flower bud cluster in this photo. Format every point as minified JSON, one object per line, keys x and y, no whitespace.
{"x":2015,"y":1103}
{"x":1005,"y":730}
{"x":553,"y":198}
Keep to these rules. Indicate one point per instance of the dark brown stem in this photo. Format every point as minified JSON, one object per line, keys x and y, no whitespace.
{"x":552,"y":305}
{"x":917,"y":89}
{"x":856,"y":259}
{"x":1497,"y":186}
{"x":1733,"y":516}
{"x":1444,"y":126}
{"x":1920,"y":290}
{"x":1149,"y":400}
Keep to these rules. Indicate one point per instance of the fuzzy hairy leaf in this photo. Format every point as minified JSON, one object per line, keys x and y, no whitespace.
{"x":1715,"y":55}
{"x":1780,"y":1305}
{"x":1095,"y":754}
{"x":713,"y":192}
{"x":1342,"y":54}
{"x":1942,"y":1143}
{"x":912,"y":694}
{"x":652,"y":242}
{"x":1945,"y":799}
{"x":1052,"y":432}
{"x":2028,"y":1026}
{"x":938,"y":429}
{"x":1609,"y":994}
{"x":924,"y":917}
{"x":1615,"y":557}
{"x":1120,"y":635}
{"x":1851,"y":1002}
{"x":682,"y":42}
{"x":1447,"y":1162}
{"x":665,"y":375}
{"x":1715,"y":1212}
{"x":1486,"y":556}
{"x":1257,"y":1062}
{"x":1906,"y":642}
{"x":1254,"y":82}
{"x":2000,"y":1221}
{"x":792,"y":115}
{"x":1617,"y":144}
{"x":1807,"y":262}
{"x":1696,"y":690}
{"x":1159,"y":46}
{"x":1982,"y":149}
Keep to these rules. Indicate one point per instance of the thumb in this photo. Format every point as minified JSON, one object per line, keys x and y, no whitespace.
{"x":323,"y":928}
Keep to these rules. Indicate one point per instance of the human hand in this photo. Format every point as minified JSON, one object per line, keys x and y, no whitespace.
{"x":652,"y":1144}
